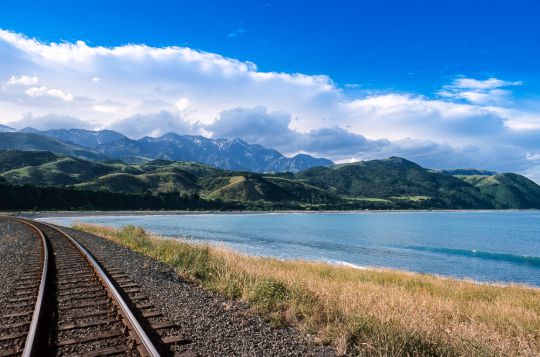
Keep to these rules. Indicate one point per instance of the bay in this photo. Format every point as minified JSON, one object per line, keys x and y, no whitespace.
{"x":486,"y":246}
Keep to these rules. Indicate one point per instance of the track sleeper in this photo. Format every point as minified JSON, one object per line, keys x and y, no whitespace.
{"x":11,"y":352}
{"x":104,"y":352}
{"x":152,"y":314}
{"x":82,"y":324}
{"x":89,"y":314}
{"x":18,"y":314}
{"x":14,"y":325}
{"x":86,"y":339}
{"x":13,"y":336}
{"x":177,"y":339}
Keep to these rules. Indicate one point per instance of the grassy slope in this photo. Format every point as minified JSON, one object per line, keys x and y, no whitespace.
{"x":15,"y":159}
{"x":365,"y":312}
{"x":62,"y":171}
{"x":392,"y":183}
{"x":394,"y":177}
{"x":507,"y":190}
{"x":147,"y":182}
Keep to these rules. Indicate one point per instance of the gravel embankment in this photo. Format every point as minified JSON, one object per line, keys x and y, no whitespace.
{"x":216,"y":326}
{"x":19,"y":248}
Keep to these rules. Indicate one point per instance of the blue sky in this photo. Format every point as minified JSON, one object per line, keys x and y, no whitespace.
{"x":447,"y":84}
{"x":395,"y":45}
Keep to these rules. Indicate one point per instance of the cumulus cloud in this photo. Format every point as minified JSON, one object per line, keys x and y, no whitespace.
{"x":48,"y":92}
{"x":142,"y":90}
{"x":399,"y":116}
{"x":341,"y":144}
{"x":22,"y":80}
{"x":257,"y":125}
{"x":154,"y":124}
{"x":273,"y":128}
{"x":51,"y":121}
{"x":182,"y":104}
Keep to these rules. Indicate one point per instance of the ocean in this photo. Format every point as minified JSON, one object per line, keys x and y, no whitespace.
{"x":485,"y":246}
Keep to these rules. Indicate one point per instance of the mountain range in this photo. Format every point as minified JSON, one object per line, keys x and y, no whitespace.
{"x":393,"y":183}
{"x":6,"y":129}
{"x":233,"y":154}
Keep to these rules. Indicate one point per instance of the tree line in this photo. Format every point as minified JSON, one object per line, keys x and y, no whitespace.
{"x":29,"y":197}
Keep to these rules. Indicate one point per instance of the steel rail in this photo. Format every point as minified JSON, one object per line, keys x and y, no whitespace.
{"x":30,"y":345}
{"x":146,"y":343}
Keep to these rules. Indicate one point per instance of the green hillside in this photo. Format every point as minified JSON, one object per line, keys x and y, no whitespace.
{"x":395,"y":178}
{"x":507,"y":190}
{"x":244,"y":188}
{"x":15,"y":159}
{"x":62,"y":171}
{"x":147,"y":182}
{"x":393,"y":183}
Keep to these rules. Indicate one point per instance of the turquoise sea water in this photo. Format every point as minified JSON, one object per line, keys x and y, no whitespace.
{"x":492,"y":246}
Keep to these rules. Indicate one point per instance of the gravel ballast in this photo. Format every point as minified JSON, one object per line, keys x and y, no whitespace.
{"x":19,"y":248}
{"x":216,"y":326}
{"x":20,"y":262}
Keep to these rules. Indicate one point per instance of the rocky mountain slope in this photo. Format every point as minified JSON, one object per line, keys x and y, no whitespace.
{"x":233,"y":154}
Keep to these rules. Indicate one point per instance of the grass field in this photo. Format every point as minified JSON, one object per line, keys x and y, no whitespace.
{"x":361,"y":312}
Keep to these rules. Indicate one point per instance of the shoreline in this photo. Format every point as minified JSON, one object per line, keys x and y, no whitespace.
{"x":354,"y":309}
{"x":42,"y":214}
{"x":336,"y":263}
{"x":71,"y":218}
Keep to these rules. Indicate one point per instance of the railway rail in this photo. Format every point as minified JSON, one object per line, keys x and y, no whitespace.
{"x":68,"y":305}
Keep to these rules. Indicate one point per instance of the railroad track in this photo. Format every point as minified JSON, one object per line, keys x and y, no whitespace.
{"x":68,"y":305}
{"x":19,"y":325}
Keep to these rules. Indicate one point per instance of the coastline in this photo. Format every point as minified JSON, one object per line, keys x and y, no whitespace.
{"x":202,"y":230}
{"x":86,"y":213}
{"x":354,"y":309}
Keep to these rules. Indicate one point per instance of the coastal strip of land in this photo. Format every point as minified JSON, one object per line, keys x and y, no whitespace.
{"x":358,"y":312}
{"x":214,"y":324}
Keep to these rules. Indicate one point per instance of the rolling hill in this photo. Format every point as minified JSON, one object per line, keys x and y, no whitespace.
{"x":507,"y":190}
{"x":395,"y":178}
{"x":394,"y":183}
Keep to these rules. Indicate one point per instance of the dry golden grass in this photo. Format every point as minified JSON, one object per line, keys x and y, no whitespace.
{"x":362,"y":312}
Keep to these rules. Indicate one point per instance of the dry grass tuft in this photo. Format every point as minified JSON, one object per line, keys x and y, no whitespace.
{"x":363,"y":312}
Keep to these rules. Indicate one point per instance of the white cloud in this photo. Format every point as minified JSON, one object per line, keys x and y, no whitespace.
{"x":50,"y":92}
{"x":22,"y":80}
{"x":51,"y":121}
{"x":154,"y":124}
{"x":483,"y":92}
{"x":490,"y":83}
{"x":182,"y":104}
{"x":143,"y":90}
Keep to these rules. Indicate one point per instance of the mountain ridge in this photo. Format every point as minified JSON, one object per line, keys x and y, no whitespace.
{"x":81,"y":137}
{"x":234,"y":154}
{"x":6,"y":129}
{"x":37,"y":142}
